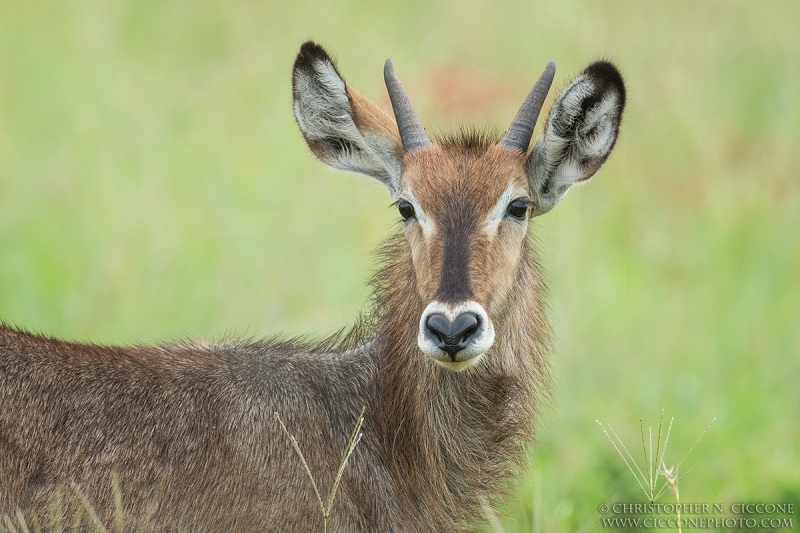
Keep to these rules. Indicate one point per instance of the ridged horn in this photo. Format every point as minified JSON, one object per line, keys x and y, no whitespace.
{"x":412,"y":134}
{"x":519,"y":133}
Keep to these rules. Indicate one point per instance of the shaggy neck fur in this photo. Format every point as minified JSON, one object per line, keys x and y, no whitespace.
{"x":458,"y":436}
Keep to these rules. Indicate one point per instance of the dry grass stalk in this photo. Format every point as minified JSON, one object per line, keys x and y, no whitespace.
{"x":653,"y":462}
{"x":355,"y":437}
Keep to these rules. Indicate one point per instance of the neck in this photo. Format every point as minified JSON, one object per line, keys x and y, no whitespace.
{"x":452,"y":438}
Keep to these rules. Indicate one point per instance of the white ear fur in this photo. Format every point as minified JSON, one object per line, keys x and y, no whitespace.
{"x":579,"y":134}
{"x":341,"y":127}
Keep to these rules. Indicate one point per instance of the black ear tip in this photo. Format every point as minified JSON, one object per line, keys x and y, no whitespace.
{"x":604,"y":69}
{"x":608,"y":77}
{"x":312,"y":50}
{"x":310,"y":53}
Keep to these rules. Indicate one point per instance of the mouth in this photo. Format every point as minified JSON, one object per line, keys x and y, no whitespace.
{"x":457,"y":366}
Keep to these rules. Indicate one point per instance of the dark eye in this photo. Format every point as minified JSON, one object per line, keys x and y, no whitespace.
{"x":406,"y":209}
{"x":518,"y":208}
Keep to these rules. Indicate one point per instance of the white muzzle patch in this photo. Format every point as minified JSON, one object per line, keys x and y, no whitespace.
{"x":479,"y":342}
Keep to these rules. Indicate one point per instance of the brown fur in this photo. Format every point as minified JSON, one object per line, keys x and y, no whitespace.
{"x":190,"y":429}
{"x":187,"y":432}
{"x":473,"y":178}
{"x":369,"y":117}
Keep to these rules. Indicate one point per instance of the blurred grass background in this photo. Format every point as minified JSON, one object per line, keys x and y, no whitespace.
{"x":153,"y":186}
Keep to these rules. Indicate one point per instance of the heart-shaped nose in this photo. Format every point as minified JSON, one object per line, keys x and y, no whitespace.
{"x":452,"y":337}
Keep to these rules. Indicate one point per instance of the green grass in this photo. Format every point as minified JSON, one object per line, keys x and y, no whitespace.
{"x":153,"y":186}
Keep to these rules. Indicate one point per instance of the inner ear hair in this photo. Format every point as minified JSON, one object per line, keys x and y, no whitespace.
{"x":341,"y":127}
{"x":580,"y":132}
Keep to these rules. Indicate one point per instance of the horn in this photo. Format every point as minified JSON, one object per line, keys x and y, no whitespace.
{"x":411,"y":131}
{"x":518,"y":135}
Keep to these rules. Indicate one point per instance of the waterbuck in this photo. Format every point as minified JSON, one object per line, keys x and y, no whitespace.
{"x":448,"y":363}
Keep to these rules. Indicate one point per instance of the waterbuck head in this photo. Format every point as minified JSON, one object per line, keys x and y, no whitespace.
{"x":466,"y":201}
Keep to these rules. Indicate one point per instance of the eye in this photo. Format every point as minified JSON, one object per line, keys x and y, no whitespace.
{"x":518,"y":208}
{"x":406,"y":209}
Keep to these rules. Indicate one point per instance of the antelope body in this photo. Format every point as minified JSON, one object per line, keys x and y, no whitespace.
{"x":448,"y":362}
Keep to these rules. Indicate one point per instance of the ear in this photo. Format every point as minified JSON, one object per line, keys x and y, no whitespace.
{"x":579,"y":134}
{"x":343,"y":129}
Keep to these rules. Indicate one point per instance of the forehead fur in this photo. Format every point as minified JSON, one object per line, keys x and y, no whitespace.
{"x":471,"y":140}
{"x":467,"y":169}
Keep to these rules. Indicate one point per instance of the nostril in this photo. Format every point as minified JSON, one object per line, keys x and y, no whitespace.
{"x":464,"y":326}
{"x":438,"y":325}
